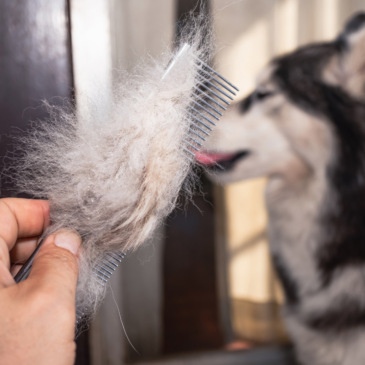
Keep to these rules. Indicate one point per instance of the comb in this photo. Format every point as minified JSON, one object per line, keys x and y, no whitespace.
{"x":211,"y":96}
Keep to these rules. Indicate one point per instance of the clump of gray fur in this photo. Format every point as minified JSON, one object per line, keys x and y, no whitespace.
{"x":114,"y":177}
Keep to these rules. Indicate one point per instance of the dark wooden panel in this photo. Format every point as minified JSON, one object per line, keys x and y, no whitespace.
{"x":83,"y":349}
{"x":185,"y":6}
{"x":191,"y":319}
{"x":34,"y":63}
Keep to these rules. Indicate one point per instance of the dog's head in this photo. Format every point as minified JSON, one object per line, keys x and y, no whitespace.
{"x":289,"y":125}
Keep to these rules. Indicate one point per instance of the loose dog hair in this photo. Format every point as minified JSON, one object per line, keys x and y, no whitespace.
{"x":113,"y":175}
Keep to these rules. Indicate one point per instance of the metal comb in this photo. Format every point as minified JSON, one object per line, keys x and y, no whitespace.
{"x":210,"y":99}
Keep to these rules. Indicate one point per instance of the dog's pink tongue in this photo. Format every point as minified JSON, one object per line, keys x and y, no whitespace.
{"x":208,"y":159}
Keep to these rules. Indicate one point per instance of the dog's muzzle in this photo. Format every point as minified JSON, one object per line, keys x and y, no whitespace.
{"x":220,"y":162}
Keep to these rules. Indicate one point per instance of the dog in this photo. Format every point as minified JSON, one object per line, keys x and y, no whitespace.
{"x":304,"y":128}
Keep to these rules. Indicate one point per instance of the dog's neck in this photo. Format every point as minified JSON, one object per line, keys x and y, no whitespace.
{"x":294,"y":208}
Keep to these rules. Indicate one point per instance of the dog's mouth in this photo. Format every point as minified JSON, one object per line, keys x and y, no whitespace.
{"x":220,"y":161}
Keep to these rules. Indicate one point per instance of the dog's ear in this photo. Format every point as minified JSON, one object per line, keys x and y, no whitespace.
{"x":347,"y":68}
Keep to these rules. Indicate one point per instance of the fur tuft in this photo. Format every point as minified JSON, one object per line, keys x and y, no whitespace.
{"x":113,"y":176}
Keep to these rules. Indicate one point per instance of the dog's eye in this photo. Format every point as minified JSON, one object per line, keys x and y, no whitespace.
{"x":262,"y":94}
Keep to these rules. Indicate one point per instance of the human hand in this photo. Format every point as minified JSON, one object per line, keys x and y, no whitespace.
{"x":37,"y":316}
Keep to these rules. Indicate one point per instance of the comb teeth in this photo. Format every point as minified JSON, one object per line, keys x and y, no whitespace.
{"x":212,"y":94}
{"x":102,"y":270}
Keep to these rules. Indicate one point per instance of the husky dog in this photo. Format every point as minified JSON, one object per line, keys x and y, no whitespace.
{"x":304,"y":128}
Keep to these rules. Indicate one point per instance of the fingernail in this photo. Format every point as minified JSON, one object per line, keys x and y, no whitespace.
{"x":69,"y":240}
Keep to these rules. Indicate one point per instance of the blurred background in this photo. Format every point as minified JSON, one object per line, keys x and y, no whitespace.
{"x":203,"y":290}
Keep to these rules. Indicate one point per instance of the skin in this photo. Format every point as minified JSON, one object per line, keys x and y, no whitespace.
{"x":37,"y":316}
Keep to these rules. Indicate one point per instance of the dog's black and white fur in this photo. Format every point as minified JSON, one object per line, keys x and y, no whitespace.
{"x":304,"y":128}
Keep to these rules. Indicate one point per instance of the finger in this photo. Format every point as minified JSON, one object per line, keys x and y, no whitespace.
{"x":5,"y":277}
{"x":22,"y":218}
{"x":15,"y":269}
{"x":55,"y":268}
{"x":22,"y":249}
{"x":4,"y":253}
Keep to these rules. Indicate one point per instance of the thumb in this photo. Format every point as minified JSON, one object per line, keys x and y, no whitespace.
{"x":55,"y":267}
